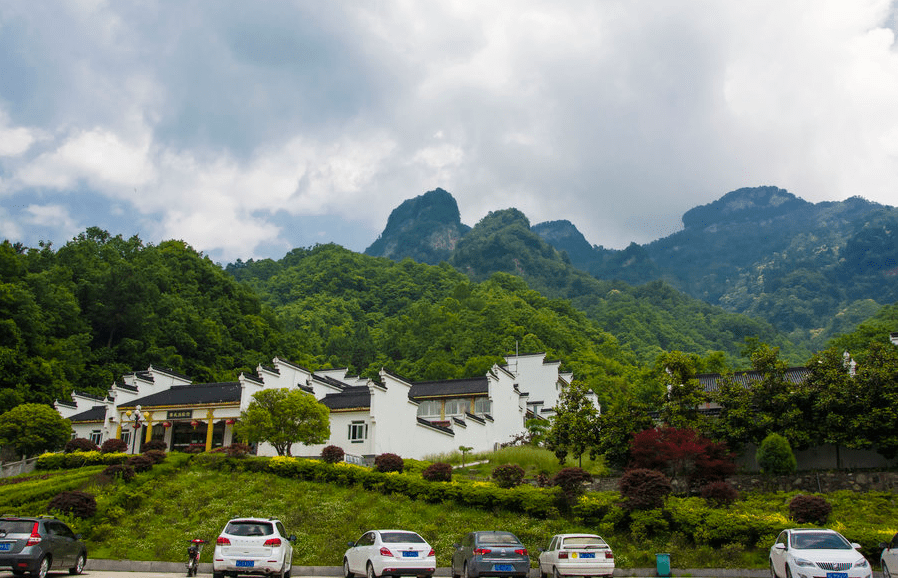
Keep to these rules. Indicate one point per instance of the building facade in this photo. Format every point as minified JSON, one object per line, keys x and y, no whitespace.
{"x":367,"y":417}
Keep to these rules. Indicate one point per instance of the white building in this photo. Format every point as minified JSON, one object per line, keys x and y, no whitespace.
{"x":367,"y":417}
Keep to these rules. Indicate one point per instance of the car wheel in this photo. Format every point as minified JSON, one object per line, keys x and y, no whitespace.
{"x":468,"y":572}
{"x":773,"y":571}
{"x":43,"y":568}
{"x":788,"y":572}
{"x":885,"y":570}
{"x":217,"y":574}
{"x":555,"y":572}
{"x":452,"y":570}
{"x":346,"y":572}
{"x":369,"y":571}
{"x":78,"y":568}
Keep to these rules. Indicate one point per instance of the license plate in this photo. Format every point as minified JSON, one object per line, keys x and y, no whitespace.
{"x":505,"y":568}
{"x":5,"y":546}
{"x":245,"y":563}
{"x":587,"y":554}
{"x":409,"y":554}
{"x":837,"y":575}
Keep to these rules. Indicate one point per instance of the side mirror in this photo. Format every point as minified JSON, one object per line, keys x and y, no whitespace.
{"x":292,"y":538}
{"x":882,"y":546}
{"x":855,"y":545}
{"x":351,"y":544}
{"x":779,"y":546}
{"x":77,"y":536}
{"x":456,"y":546}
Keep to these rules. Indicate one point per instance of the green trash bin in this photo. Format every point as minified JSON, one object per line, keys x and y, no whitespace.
{"x":662,"y":564}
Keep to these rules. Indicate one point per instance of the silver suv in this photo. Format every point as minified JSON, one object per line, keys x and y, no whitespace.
{"x":258,"y":546}
{"x":39,"y":545}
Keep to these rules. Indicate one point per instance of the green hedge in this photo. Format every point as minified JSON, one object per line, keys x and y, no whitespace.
{"x":30,"y":496}
{"x":541,"y":502}
{"x":78,"y":460}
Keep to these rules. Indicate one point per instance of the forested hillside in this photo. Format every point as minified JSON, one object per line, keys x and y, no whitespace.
{"x":100,"y":306}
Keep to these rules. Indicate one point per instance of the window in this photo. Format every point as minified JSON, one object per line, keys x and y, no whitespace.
{"x":429,"y":408}
{"x":126,"y":437}
{"x":358,"y":431}
{"x":456,"y":406}
{"x":96,"y":436}
{"x":482,"y":405}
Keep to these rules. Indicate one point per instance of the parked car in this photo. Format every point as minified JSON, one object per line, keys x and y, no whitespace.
{"x":391,"y":553}
{"x":889,"y":557}
{"x":490,"y":554}
{"x":253,"y":546}
{"x":39,"y":545}
{"x":576,"y":555}
{"x":815,"y":553}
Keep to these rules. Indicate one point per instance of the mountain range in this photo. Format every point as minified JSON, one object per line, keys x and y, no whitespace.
{"x":810,"y":270}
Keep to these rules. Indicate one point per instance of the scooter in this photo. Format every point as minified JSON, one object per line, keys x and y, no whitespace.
{"x":193,"y":555}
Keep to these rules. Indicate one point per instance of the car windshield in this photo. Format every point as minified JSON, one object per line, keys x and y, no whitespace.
{"x":401,"y":538}
{"x":577,"y":541}
{"x":249,"y":528}
{"x":498,"y":539}
{"x":16,"y":526}
{"x":819,"y":541}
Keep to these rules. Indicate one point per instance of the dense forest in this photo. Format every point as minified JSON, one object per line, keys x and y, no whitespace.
{"x":78,"y":316}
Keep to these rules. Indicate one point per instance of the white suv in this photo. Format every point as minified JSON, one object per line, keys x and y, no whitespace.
{"x":253,"y":546}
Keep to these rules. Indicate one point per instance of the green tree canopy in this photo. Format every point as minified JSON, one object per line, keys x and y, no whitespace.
{"x":33,"y":428}
{"x":283,"y":417}
{"x":575,"y":423}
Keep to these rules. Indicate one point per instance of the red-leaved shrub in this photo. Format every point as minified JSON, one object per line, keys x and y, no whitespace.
{"x":74,"y":503}
{"x":806,"y":509}
{"x":644,"y":489}
{"x":113,"y":446}
{"x":720,"y":494}
{"x":388,"y":463}
{"x":438,"y":472}
{"x":332,"y":454}
{"x":508,"y":475}
{"x":80,"y":445}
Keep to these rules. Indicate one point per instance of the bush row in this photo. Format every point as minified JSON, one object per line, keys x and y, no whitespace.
{"x":30,"y":496}
{"x":78,"y":460}
{"x":542,"y":502}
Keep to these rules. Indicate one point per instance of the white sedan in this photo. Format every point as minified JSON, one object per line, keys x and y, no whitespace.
{"x":389,"y":552}
{"x":813,"y":553}
{"x":576,"y":555}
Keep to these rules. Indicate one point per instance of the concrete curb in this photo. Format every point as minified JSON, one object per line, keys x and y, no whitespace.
{"x":206,"y":568}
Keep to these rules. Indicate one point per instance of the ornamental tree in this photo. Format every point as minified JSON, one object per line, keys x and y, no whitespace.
{"x":33,"y":428}
{"x":283,"y":417}
{"x":574,"y":427}
{"x":681,"y":453}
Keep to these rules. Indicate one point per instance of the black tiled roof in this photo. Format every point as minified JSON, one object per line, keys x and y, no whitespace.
{"x":356,"y":397}
{"x":90,"y":395}
{"x":121,"y":385}
{"x":330,"y":381}
{"x":709,"y":381}
{"x":66,"y":402}
{"x":96,"y":413}
{"x":196,"y":394}
{"x":442,"y":428}
{"x":471,"y":386}
{"x":476,"y":418}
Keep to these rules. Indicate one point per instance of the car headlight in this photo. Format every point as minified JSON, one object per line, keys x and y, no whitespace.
{"x":802,"y":562}
{"x":862,"y":563}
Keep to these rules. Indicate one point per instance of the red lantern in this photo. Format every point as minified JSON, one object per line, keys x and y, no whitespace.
{"x":194,"y":423}
{"x":136,"y":425}
{"x":230,"y":421}
{"x":166,"y":424}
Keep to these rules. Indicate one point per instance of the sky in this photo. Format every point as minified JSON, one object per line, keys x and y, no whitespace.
{"x":247,"y":129}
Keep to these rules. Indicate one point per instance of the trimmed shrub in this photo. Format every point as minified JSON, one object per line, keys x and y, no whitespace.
{"x":332,"y":454}
{"x":571,"y":481}
{"x":238,"y":450}
{"x":388,"y":463}
{"x":74,"y":503}
{"x":140,"y":463}
{"x":438,"y":472}
{"x":720,"y":494}
{"x":114,"y":446}
{"x":155,"y":445}
{"x":155,"y":455}
{"x":644,"y":489}
{"x":809,"y":509}
{"x":126,"y":473}
{"x":508,"y":475}
{"x":80,"y":445}
{"x":775,"y":456}
{"x":195,"y":449}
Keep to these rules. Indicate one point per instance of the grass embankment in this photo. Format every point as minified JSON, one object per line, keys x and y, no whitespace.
{"x":533,"y":460}
{"x":152,"y":517}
